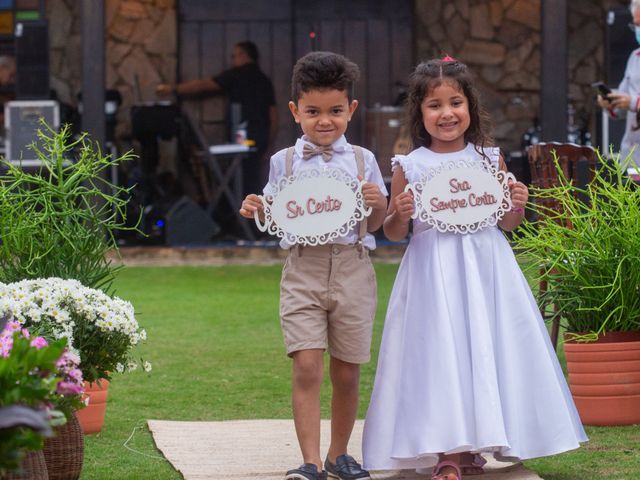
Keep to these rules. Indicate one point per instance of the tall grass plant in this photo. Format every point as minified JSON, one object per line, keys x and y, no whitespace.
{"x":587,"y":249}
{"x":60,"y":221}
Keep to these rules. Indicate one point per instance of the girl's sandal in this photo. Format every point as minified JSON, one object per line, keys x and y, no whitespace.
{"x":475,"y":466}
{"x":436,"y":475}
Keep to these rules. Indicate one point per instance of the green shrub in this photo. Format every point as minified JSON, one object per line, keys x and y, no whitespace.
{"x":61,"y":220}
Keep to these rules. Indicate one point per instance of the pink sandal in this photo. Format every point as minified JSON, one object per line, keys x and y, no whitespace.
{"x":447,"y":476}
{"x":475,"y":466}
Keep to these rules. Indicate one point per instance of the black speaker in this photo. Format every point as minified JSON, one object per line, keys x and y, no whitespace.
{"x":32,"y":60}
{"x":187,"y":223}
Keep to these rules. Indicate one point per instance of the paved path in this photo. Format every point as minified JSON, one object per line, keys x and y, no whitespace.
{"x":265,"y":449}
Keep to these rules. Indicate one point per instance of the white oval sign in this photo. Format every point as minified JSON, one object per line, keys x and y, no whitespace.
{"x":314,"y":207}
{"x":462,"y":197}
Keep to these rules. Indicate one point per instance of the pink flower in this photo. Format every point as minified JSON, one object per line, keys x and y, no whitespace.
{"x":25,"y":333}
{"x":68,"y":388}
{"x":75,"y":374}
{"x":38,"y":342}
{"x":67,"y":361}
{"x":6,"y":344}
{"x":72,"y":358}
{"x":6,"y":338}
{"x":12,"y":326}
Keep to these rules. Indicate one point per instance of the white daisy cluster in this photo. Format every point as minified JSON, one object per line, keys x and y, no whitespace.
{"x":56,"y":306}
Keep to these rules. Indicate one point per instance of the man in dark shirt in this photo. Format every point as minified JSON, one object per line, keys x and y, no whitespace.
{"x":244,"y":84}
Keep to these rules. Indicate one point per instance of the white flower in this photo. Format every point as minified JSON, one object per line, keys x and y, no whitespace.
{"x":64,"y":308}
{"x":146,"y":366}
{"x":34,"y":314}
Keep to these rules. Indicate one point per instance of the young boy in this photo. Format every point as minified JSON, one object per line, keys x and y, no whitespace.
{"x":328,"y":292}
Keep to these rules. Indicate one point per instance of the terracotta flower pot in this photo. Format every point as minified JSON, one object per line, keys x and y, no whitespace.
{"x":604,"y":377}
{"x":92,"y":416}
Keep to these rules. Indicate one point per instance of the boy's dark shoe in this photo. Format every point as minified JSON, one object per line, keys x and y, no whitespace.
{"x":308,"y":471}
{"x":346,"y":468}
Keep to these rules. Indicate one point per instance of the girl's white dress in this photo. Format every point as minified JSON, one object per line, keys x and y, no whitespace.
{"x":465,"y":363}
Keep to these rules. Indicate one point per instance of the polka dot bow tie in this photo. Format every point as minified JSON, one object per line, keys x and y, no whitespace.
{"x":309,"y":151}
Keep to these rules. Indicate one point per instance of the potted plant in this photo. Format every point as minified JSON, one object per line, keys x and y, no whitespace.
{"x":60,"y":223}
{"x":100,"y":329}
{"x":37,"y":388}
{"x":588,"y":252}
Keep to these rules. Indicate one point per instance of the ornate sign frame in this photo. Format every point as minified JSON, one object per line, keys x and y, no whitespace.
{"x":292,"y":212}
{"x":462,"y":196}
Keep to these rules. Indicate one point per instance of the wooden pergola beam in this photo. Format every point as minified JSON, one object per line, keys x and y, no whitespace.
{"x":554,"y":79}
{"x":93,"y":70}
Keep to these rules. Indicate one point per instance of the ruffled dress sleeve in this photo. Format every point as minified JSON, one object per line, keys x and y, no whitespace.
{"x":404,"y":162}
{"x":494,"y":154}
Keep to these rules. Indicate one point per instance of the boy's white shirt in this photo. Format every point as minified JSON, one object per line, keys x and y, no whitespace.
{"x":343,"y":159}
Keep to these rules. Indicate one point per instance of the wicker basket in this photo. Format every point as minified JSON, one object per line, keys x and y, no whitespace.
{"x":33,"y":468}
{"x":64,"y":453}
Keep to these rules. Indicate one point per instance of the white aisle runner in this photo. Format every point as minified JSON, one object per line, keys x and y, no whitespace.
{"x":265,"y":449}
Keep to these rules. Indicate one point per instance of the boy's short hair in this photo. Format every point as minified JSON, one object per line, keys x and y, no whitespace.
{"x":323,"y":71}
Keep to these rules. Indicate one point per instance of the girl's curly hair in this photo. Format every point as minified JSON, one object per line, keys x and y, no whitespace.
{"x":431,"y":74}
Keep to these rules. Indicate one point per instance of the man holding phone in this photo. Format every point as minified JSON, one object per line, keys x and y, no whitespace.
{"x":626,"y":99}
{"x":603,"y":90}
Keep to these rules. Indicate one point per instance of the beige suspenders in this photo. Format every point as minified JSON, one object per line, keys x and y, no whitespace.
{"x":288,"y":166}
{"x":362,"y":226}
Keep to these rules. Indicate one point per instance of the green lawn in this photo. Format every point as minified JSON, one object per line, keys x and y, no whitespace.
{"x":217,"y":353}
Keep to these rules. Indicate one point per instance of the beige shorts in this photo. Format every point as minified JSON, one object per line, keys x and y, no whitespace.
{"x":328,"y":301}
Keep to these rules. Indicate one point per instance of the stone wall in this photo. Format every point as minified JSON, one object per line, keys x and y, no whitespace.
{"x":65,"y":49}
{"x":500,"y":41}
{"x":140,"y":43}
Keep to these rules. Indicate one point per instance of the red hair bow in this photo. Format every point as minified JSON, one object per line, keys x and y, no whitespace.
{"x":447,"y":58}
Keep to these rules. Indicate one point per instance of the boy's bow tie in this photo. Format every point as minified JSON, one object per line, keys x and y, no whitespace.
{"x":309,"y":151}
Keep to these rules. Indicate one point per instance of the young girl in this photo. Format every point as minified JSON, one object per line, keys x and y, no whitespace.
{"x":466,"y":365}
